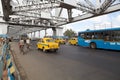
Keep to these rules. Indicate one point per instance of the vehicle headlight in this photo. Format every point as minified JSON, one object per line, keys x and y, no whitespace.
{"x":48,"y":45}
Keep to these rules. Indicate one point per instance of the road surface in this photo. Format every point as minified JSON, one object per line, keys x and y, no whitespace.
{"x":70,"y":63}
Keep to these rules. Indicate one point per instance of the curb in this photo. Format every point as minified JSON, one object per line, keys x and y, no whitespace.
{"x":21,"y":71}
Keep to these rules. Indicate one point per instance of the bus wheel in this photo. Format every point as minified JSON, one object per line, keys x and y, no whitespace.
{"x":93,"y":45}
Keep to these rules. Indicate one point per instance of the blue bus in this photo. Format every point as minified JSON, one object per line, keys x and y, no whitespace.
{"x":104,"y":38}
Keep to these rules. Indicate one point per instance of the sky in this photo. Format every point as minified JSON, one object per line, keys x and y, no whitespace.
{"x":101,"y":22}
{"x":110,"y":20}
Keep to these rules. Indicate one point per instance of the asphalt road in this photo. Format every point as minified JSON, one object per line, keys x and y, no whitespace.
{"x":71,"y":63}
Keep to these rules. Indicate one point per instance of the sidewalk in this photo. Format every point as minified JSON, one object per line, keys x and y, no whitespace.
{"x":17,"y":56}
{"x":1,"y":67}
{"x":0,"y":49}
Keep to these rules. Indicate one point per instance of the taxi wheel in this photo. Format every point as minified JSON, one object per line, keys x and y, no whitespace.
{"x":38,"y":48}
{"x":44,"y":50}
{"x":55,"y":50}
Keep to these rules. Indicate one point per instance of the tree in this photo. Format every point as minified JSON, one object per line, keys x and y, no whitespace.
{"x":70,"y":33}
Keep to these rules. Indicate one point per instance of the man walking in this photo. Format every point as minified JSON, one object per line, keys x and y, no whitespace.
{"x":28,"y":43}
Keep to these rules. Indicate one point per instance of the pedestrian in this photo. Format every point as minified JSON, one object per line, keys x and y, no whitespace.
{"x":21,"y":45}
{"x":28,"y":43}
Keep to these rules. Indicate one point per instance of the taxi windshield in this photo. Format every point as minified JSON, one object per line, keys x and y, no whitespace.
{"x":49,"y":40}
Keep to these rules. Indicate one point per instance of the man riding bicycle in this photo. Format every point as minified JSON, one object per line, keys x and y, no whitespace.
{"x":21,"y":45}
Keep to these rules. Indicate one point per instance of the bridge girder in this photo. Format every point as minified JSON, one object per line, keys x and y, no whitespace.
{"x":111,"y":9}
{"x":30,"y":14}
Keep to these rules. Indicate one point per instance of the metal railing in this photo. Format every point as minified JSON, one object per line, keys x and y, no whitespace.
{"x":8,"y":69}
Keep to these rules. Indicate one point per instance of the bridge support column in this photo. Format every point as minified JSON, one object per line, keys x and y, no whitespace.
{"x":69,"y":14}
{"x":33,"y":34}
{"x":54,"y":31}
{"x":30,"y":35}
{"x":45,"y":32}
{"x":4,"y":29}
{"x":39,"y":34}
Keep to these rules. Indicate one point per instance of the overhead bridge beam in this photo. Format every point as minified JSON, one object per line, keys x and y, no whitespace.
{"x":22,"y":31}
{"x":36,"y":17}
{"x":34,"y":7}
{"x":32,"y":26}
{"x":111,"y":9}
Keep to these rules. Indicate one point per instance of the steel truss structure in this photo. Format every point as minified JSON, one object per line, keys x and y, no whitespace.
{"x":41,"y":14}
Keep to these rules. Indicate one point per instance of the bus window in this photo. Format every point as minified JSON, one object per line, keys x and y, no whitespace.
{"x":107,"y":37}
{"x":82,"y":35}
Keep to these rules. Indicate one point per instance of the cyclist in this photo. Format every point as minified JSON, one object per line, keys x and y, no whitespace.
{"x":21,"y":46}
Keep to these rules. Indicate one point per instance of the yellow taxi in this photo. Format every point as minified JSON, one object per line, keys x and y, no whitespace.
{"x":73,"y":41}
{"x":46,"y":44}
{"x":60,"y":40}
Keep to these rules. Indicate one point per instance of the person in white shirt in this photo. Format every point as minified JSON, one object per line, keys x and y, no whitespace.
{"x":28,"y":43}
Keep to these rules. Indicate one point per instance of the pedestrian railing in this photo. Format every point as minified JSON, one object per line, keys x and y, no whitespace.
{"x":8,"y":70}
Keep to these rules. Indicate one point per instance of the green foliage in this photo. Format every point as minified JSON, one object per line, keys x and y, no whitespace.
{"x":70,"y":33}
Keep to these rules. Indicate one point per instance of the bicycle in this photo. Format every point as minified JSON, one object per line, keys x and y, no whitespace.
{"x":22,"y":49}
